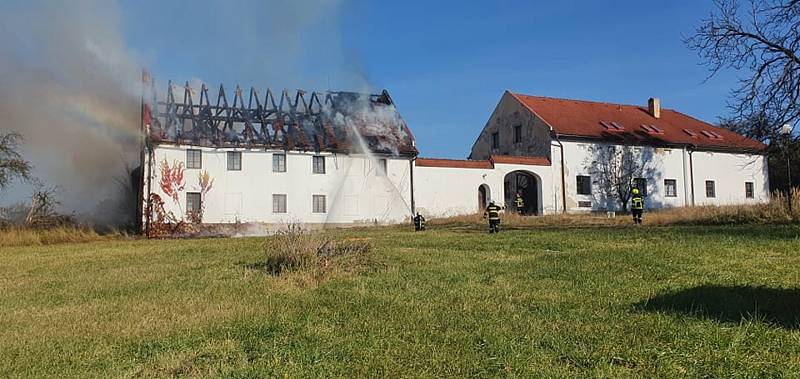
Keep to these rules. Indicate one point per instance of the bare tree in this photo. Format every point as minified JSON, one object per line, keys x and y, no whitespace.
{"x":614,"y":167}
{"x":12,"y":165}
{"x":763,"y":40}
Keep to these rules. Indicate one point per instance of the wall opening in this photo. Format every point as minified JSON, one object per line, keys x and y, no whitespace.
{"x":484,"y":196}
{"x":528,"y":185}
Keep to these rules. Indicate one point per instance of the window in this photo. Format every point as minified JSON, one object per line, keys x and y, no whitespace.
{"x":518,"y":134}
{"x":710,"y":190}
{"x":319,"y":203}
{"x":641,"y":184}
{"x":381,"y":170}
{"x":495,"y":140}
{"x":278,"y":162}
{"x":748,"y":190}
{"x":194,"y":158}
{"x":670,"y":188}
{"x":234,"y":161}
{"x":278,"y":203}
{"x":193,"y":202}
{"x":584,"y":185}
{"x":584,"y":204}
{"x":319,"y":164}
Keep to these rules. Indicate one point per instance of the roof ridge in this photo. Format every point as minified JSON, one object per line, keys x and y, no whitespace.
{"x":590,"y":101}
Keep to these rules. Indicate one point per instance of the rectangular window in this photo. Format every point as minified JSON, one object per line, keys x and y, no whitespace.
{"x":670,"y":188}
{"x":495,"y":140}
{"x":641,"y":184}
{"x":518,"y":134}
{"x":278,"y":203}
{"x":319,"y":203}
{"x":278,"y":162}
{"x":193,"y":202}
{"x":234,"y":161}
{"x":710,"y":189}
{"x":319,"y":164}
{"x":584,"y":185}
{"x":381,"y":170}
{"x":194,"y":158}
{"x":749,"y":191}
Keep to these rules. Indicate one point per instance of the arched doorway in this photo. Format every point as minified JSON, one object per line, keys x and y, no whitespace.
{"x":484,"y":196}
{"x":527,"y":184}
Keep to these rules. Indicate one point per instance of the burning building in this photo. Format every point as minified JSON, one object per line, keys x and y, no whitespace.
{"x":253,"y":157}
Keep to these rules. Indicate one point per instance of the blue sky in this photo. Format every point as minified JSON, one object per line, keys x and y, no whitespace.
{"x":445,"y":63}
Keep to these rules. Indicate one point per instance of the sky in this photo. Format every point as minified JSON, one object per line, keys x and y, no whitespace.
{"x":445,"y":63}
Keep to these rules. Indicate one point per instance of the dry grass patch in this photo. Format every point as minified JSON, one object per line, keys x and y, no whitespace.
{"x":22,"y":236}
{"x":774,"y":212}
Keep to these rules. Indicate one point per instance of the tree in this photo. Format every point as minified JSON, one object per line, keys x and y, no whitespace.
{"x":12,"y":165}
{"x":614,"y":167}
{"x":763,"y":40}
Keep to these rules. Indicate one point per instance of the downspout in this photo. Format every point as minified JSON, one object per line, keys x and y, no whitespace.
{"x":690,"y":149}
{"x":411,"y":164}
{"x":147,"y":210}
{"x":563,"y":176}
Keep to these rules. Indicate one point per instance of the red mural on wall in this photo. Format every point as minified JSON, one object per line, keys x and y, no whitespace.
{"x":172,"y":181}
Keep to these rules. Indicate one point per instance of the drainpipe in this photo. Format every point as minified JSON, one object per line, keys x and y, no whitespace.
{"x":690,"y":149}
{"x":411,"y":170}
{"x":563,"y":176}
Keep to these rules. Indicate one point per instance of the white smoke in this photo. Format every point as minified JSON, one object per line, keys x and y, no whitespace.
{"x":70,"y":86}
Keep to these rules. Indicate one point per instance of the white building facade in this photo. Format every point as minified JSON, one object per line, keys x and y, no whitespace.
{"x":306,"y":166}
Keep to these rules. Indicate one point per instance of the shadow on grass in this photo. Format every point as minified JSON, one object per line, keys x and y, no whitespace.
{"x":777,"y":306}
{"x":274,"y":266}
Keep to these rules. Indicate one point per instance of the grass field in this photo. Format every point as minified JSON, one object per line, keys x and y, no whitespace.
{"x":709,"y":301}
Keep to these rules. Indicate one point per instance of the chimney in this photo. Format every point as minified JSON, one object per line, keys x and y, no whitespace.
{"x":654,"y":107}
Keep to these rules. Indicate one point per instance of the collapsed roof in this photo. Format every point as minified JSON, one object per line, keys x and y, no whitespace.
{"x":632,"y":124}
{"x":346,"y":122}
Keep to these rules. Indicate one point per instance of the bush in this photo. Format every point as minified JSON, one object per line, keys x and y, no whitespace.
{"x":294,"y":249}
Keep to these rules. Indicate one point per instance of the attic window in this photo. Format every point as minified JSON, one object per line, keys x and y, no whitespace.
{"x":711,"y":135}
{"x":612,"y":126}
{"x":650,"y":129}
{"x":690,"y":132}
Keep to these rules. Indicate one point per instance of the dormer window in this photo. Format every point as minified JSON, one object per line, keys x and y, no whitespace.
{"x":612,"y":126}
{"x":711,"y":135}
{"x":651,"y":129}
{"x":690,"y":132}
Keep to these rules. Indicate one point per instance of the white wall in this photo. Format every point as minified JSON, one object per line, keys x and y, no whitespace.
{"x":354,"y":193}
{"x":446,"y":191}
{"x":730,"y":172}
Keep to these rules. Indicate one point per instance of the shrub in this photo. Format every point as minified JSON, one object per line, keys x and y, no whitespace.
{"x":294,"y":249}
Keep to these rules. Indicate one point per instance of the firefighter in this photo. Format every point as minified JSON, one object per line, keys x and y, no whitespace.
{"x":519,"y":202}
{"x":637,"y":206}
{"x":493,"y":214}
{"x":419,"y":222}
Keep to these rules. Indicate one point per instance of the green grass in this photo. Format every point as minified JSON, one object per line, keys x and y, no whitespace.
{"x":581,"y":302}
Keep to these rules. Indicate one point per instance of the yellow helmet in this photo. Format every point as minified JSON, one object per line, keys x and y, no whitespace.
{"x":635,"y":191}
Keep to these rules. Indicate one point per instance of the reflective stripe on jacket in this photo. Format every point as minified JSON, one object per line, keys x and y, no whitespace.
{"x":637,"y":202}
{"x":494,"y":212}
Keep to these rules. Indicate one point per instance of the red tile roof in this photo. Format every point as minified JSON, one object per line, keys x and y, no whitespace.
{"x":484,"y":164}
{"x":600,"y":120}
{"x":512,"y":159}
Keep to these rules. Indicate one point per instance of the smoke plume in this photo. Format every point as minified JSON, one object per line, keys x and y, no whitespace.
{"x":70,"y":86}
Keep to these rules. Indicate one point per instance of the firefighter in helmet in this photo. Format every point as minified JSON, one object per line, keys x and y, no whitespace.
{"x":519,"y":202}
{"x":492,"y":213}
{"x":419,"y":222}
{"x":637,"y":206}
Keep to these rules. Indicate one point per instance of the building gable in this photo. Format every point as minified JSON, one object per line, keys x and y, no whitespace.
{"x":512,"y":130}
